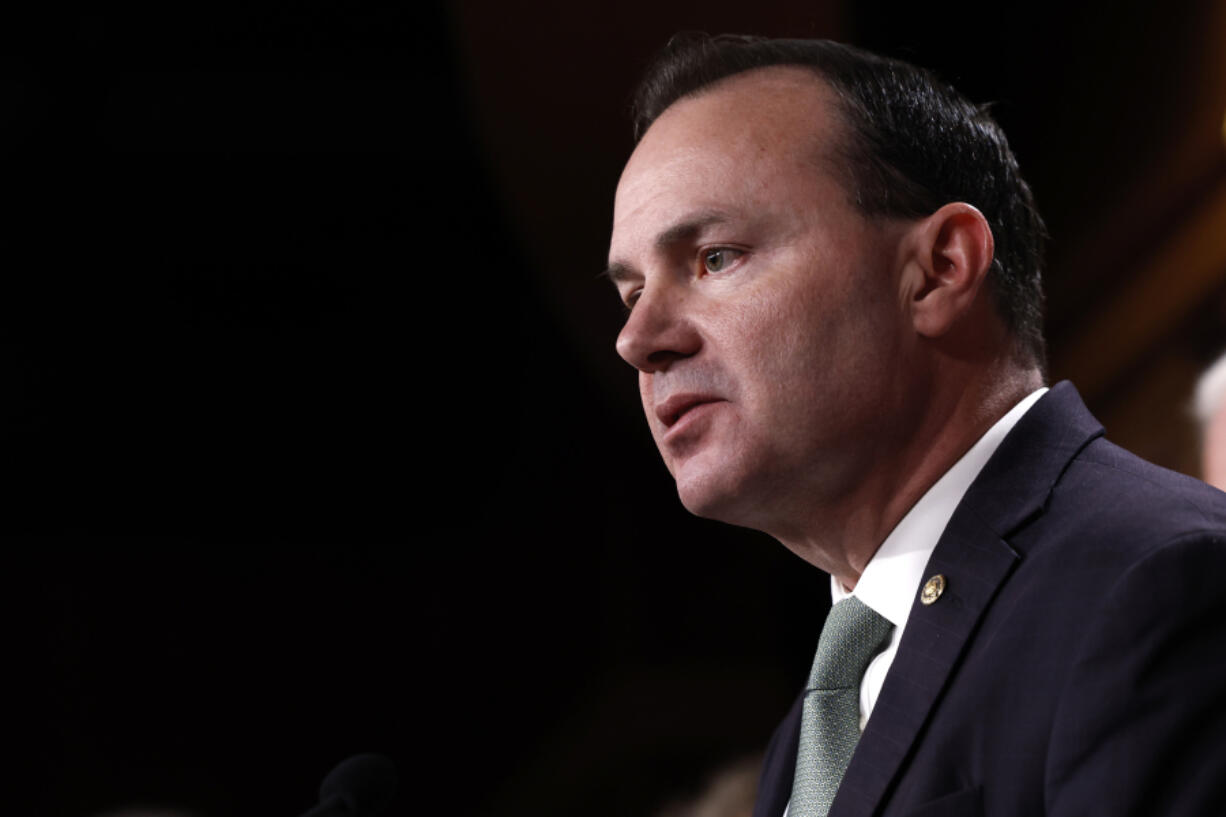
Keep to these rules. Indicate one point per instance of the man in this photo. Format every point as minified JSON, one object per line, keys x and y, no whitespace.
{"x":1210,"y":405}
{"x":831,"y":266}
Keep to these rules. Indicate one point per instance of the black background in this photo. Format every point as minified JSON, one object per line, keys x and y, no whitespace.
{"x":298,"y":462}
{"x":303,"y":458}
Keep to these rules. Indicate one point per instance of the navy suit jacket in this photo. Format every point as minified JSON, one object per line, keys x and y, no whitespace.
{"x":1075,"y":664}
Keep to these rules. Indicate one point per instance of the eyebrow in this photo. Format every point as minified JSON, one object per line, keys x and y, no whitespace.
{"x":685,"y":230}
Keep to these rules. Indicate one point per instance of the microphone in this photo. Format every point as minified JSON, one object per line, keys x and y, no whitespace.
{"x":360,"y":786}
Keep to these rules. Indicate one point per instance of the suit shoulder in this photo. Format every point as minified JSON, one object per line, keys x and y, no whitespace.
{"x":1162,"y":493}
{"x":1110,"y":494}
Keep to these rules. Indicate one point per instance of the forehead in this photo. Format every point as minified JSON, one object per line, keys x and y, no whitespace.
{"x":764,"y":134}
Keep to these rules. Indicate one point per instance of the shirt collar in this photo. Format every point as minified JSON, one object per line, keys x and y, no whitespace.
{"x":892,"y":575}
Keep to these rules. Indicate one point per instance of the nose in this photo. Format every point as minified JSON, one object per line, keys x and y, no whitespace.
{"x":658,"y":332}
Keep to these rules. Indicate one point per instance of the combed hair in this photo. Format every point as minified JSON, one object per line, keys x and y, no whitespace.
{"x":913,"y":145}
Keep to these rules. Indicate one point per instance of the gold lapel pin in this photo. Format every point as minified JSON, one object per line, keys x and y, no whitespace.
{"x":932,"y":590}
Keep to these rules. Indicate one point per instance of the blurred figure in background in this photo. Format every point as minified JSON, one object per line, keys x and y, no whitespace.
{"x":1210,"y":397}
{"x":729,"y":792}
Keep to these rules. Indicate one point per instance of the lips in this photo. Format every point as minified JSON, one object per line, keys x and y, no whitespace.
{"x":675,"y":407}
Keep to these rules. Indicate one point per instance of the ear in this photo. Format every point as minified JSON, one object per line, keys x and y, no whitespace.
{"x":949,"y":255}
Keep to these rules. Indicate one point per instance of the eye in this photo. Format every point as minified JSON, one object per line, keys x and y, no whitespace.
{"x":718,"y":259}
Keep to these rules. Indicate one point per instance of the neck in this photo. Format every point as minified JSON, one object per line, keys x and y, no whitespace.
{"x":840,"y":537}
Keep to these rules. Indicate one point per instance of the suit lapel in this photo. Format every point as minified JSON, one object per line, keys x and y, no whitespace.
{"x":779,"y":765}
{"x":975,"y":559}
{"x":932,"y":644}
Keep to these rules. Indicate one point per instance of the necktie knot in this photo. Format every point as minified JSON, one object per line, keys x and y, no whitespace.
{"x":852,"y":635}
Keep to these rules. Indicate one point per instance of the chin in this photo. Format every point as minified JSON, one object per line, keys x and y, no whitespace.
{"x":713,"y":496}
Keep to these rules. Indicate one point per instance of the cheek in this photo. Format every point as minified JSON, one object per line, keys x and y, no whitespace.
{"x":787,"y":330}
{"x":813,"y":343}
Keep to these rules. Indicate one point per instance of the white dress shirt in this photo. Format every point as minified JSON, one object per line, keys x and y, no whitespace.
{"x":893,"y":575}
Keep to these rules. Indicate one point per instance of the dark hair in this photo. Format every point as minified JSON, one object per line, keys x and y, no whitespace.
{"x":914,"y":145}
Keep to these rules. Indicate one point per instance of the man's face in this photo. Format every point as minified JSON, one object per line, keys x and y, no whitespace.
{"x":766,"y":319}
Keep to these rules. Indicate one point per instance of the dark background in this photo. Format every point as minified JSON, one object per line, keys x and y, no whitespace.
{"x":314,"y":440}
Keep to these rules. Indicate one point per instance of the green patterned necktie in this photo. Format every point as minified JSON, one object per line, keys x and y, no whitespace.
{"x":830,"y":720}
